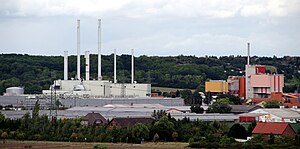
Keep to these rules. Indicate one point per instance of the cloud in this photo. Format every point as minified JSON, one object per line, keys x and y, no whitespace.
{"x":152,"y":27}
{"x":277,"y":8}
{"x":146,"y":8}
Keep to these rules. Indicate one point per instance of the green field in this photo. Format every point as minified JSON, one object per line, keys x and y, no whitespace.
{"x":12,"y":144}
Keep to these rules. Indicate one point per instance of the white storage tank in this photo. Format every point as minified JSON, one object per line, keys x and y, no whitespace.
{"x":14,"y":91}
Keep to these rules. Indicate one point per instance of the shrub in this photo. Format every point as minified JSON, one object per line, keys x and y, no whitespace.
{"x":99,"y":146}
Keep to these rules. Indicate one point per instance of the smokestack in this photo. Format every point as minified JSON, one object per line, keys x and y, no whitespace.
{"x":248,"y":58}
{"x":87,"y":65}
{"x":65,"y":65}
{"x":78,"y":49}
{"x":115,"y":66}
{"x":132,"y":66}
{"x":99,"y":50}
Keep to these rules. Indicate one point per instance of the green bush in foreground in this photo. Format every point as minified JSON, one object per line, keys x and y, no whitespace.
{"x":99,"y":146}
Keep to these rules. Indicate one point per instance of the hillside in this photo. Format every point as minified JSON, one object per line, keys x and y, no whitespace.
{"x":38,"y":72}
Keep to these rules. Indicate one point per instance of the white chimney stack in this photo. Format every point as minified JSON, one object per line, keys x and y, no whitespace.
{"x":65,"y":65}
{"x":248,"y":57}
{"x":99,"y":50}
{"x":78,"y":49}
{"x":115,"y":66}
{"x":87,"y":65}
{"x":132,"y":66}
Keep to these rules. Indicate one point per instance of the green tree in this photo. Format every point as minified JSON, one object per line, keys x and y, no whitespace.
{"x":250,"y":128}
{"x":271,"y":139}
{"x":36,"y":109}
{"x":177,"y":93}
{"x":197,"y":109}
{"x":140,"y":132}
{"x":232,"y":99}
{"x":237,"y":131}
{"x":164,"y":128}
{"x":272,"y":104}
{"x":186,"y":94}
{"x":2,"y":117}
{"x":220,"y":106}
{"x":158,"y":114}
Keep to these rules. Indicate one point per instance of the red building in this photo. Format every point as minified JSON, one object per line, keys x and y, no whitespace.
{"x":276,"y":128}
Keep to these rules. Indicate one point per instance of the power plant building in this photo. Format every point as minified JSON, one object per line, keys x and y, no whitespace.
{"x":256,"y":83}
{"x":86,"y":88}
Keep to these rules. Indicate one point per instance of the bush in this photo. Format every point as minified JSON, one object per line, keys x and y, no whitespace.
{"x":99,"y":146}
{"x":253,"y":146}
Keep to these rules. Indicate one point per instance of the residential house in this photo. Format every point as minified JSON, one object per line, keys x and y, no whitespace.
{"x":93,"y":119}
{"x":277,"y":129}
{"x":120,"y":122}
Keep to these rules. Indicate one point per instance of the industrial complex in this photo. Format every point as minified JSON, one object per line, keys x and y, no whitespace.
{"x":256,"y":83}
{"x":86,"y":88}
{"x":77,"y":96}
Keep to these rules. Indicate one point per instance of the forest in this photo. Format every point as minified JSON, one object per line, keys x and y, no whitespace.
{"x":36,"y":73}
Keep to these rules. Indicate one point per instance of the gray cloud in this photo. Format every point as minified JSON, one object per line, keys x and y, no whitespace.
{"x":156,"y":27}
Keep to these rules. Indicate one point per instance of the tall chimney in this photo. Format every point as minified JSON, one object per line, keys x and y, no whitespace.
{"x":99,"y":50}
{"x":115,"y":66}
{"x":248,"y":57}
{"x":132,"y":67}
{"x":78,"y":49}
{"x":87,"y":65}
{"x":65,"y":65}
{"x":247,"y":73}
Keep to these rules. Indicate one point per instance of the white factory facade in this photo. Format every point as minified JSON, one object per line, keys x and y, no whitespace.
{"x":86,"y":88}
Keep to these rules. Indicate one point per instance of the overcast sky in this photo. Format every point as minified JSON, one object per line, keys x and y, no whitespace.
{"x":152,"y":27}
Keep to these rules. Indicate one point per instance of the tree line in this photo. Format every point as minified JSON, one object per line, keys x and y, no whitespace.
{"x":36,"y":73}
{"x":199,"y":134}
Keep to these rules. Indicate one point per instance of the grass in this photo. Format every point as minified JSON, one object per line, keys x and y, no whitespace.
{"x":13,"y":144}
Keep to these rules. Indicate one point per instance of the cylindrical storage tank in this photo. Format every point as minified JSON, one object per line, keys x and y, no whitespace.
{"x":14,"y":91}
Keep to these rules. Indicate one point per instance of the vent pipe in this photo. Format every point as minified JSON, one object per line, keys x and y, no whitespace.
{"x":65,"y":65}
{"x":132,"y":66}
{"x":115,"y":66}
{"x":87,"y":65}
{"x":78,"y":49}
{"x":248,"y":57}
{"x":99,"y":50}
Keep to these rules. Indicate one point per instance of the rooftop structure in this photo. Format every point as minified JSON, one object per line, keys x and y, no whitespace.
{"x":238,"y":109}
{"x":274,"y":115}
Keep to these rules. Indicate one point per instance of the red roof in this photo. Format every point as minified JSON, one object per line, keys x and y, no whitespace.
{"x":276,"y":128}
{"x":258,"y":100}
